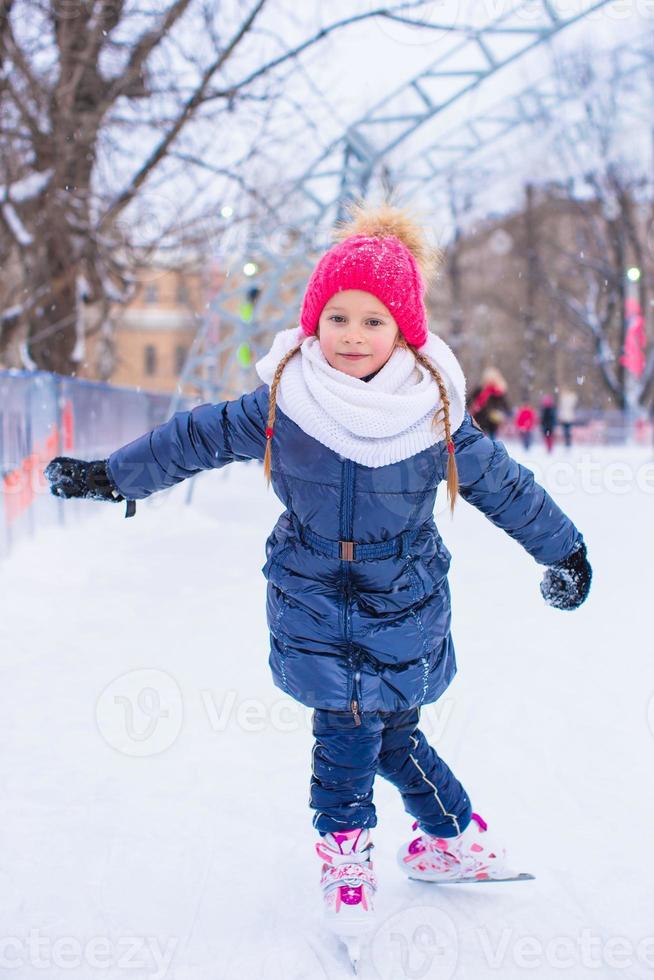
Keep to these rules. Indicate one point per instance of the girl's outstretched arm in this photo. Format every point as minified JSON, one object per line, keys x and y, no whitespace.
{"x":506,"y":492}
{"x":207,"y":437}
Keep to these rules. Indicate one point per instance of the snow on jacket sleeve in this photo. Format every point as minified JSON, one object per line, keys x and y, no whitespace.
{"x":506,"y":492}
{"x":206,"y":437}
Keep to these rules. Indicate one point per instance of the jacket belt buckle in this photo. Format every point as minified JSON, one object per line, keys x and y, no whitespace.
{"x":346,"y":550}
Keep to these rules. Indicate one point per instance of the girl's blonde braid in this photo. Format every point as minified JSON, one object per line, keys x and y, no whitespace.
{"x":272,"y":406}
{"x":452,"y":472}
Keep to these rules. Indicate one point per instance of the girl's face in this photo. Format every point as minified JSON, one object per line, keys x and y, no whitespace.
{"x":354,"y":322}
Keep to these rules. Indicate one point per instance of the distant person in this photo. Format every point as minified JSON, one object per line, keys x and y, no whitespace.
{"x":525,"y":422}
{"x":548,"y":420}
{"x":567,"y":413}
{"x":488,"y":403}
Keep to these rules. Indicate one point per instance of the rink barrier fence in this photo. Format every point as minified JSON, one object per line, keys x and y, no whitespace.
{"x":43,"y":415}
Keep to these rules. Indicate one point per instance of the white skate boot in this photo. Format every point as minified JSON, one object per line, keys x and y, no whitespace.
{"x":348,"y":884}
{"x":470,"y":857}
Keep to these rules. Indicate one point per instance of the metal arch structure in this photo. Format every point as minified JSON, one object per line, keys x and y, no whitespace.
{"x":347,"y":166}
{"x":464,"y":67}
{"x":540,"y":103}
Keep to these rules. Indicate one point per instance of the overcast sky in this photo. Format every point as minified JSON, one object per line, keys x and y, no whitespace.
{"x":356,"y":70}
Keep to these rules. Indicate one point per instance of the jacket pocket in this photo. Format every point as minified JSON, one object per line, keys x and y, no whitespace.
{"x":271,"y":544}
{"x":430,"y":569}
{"x":424,"y":579}
{"x":443,"y":553}
{"x":276,"y":547}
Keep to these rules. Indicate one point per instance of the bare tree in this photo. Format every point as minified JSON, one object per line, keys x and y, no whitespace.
{"x":99,"y":100}
{"x":612,"y":214}
{"x":559,"y":294}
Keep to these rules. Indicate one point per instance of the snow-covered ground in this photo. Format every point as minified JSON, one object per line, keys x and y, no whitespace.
{"x":154,"y":782}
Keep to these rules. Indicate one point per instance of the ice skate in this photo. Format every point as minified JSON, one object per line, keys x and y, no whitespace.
{"x":470,"y":857}
{"x":348,"y":884}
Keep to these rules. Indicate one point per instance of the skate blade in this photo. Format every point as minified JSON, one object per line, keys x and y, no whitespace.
{"x":353,"y":947}
{"x":353,"y":936}
{"x":510,"y":876}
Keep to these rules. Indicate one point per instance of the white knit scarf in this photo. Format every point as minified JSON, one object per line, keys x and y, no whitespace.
{"x":376,"y":422}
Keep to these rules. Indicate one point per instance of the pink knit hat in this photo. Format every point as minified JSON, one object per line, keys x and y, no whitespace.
{"x":383,"y":266}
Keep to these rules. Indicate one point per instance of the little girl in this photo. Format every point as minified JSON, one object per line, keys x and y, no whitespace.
{"x":360,"y":416}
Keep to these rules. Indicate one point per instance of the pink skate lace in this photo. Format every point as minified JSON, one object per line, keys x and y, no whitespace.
{"x":347,"y":869}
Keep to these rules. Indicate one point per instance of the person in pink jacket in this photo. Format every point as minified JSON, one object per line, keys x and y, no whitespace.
{"x":525,"y":421}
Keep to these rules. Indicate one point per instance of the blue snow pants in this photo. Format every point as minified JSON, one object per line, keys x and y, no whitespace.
{"x":346,"y":757}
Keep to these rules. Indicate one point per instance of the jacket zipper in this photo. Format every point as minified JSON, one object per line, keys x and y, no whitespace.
{"x":355,"y":700}
{"x":348,"y":466}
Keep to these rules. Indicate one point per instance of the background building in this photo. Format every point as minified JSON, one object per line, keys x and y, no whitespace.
{"x":150,"y":337}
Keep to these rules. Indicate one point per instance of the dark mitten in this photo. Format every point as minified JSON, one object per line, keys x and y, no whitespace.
{"x":76,"y":478}
{"x":566,"y":584}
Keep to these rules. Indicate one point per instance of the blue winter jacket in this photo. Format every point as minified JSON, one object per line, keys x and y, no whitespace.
{"x":363,"y":624}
